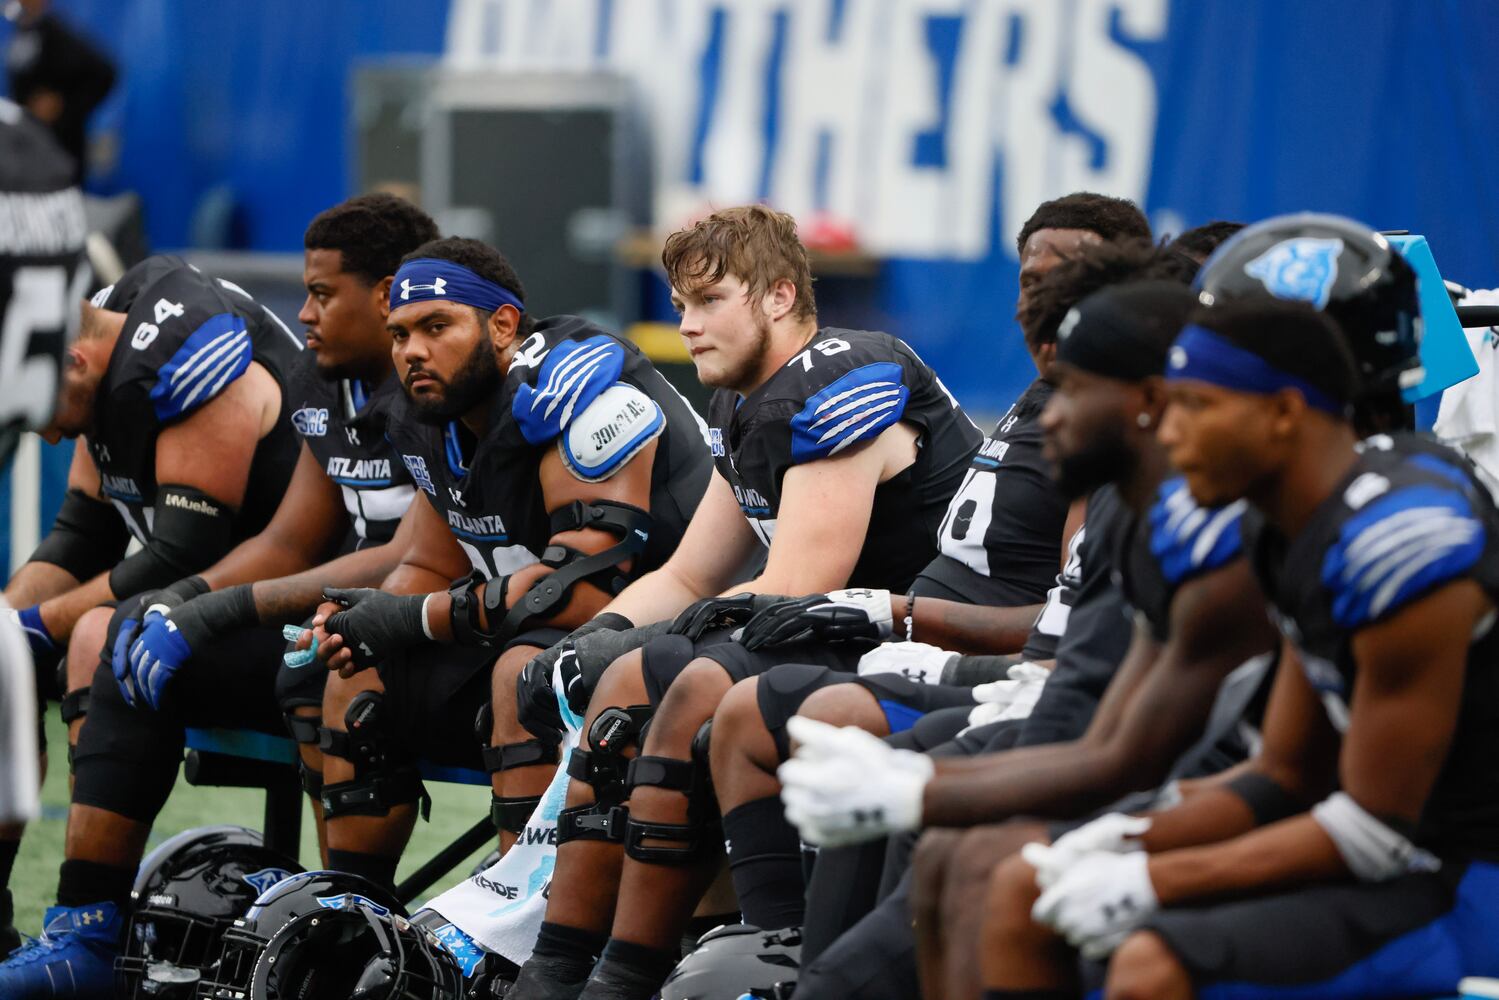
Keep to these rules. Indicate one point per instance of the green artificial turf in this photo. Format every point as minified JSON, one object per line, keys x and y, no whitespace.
{"x":34,"y":881}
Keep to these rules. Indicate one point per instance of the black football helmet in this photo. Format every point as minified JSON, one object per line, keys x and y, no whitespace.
{"x":736,"y":961}
{"x":1343,"y":268}
{"x":310,"y":895}
{"x":188,"y":892}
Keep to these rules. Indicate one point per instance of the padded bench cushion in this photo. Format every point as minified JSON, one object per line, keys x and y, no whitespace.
{"x":282,"y":750}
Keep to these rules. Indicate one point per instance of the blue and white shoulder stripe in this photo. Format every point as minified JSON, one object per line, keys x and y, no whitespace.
{"x":574,"y":374}
{"x":215,"y":354}
{"x":1399,"y":547}
{"x":855,"y":408}
{"x":1188,"y":539}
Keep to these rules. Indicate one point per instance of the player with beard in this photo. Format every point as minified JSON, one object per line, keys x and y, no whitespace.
{"x":1374,"y":297}
{"x":1100,"y":433}
{"x":212,"y":660}
{"x":1356,"y":855}
{"x":835,"y":442}
{"x":765,"y":857}
{"x":555,"y":464}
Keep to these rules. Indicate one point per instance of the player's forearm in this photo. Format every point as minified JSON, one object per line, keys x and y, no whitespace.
{"x":1209,"y":816}
{"x":61,"y":613}
{"x":965,"y":628}
{"x":258,"y":558}
{"x":656,"y":596}
{"x":36,"y":582}
{"x":1292,"y":852}
{"x":294,"y":598}
{"x":1061,"y":780}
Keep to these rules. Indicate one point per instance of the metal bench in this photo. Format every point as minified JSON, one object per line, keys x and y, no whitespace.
{"x":238,"y":758}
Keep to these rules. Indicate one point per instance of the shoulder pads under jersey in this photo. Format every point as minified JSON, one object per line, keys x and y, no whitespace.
{"x":1396,"y":548}
{"x":216,"y":353}
{"x":609,"y":432}
{"x":1187,"y":539}
{"x":854,"y":408}
{"x":573,"y":375}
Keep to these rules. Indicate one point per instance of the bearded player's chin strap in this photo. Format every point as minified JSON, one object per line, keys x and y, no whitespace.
{"x":550,"y":594}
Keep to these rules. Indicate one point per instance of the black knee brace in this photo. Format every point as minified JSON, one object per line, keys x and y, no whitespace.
{"x":603,"y":768}
{"x":692,"y":778}
{"x":305,"y":729}
{"x":74,"y":707}
{"x":383,"y":778}
{"x":510,"y":813}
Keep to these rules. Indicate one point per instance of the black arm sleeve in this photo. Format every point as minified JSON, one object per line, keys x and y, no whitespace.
{"x":190,"y":531}
{"x":86,"y":539}
{"x":971,"y":671}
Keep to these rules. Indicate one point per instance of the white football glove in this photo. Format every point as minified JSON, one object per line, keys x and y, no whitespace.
{"x":917,"y":661}
{"x":1099,"y":901}
{"x":1011,"y":699}
{"x":1114,"y":833}
{"x":844,"y":786}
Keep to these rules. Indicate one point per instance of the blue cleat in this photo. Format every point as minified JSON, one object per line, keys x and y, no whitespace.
{"x":73,"y":958}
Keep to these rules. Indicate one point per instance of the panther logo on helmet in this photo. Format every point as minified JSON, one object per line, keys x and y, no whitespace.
{"x":265,"y":878}
{"x":1304,"y":269}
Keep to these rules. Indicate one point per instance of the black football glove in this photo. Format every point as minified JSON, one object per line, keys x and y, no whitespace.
{"x":717,"y":613}
{"x":840,"y":616}
{"x":375,"y":624}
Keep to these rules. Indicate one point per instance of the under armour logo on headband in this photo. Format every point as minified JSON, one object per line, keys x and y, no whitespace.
{"x":436,"y":287}
{"x":427,"y":279}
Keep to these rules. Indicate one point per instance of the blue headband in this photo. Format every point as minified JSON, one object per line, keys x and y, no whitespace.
{"x":426,"y":279}
{"x":1202,"y":355}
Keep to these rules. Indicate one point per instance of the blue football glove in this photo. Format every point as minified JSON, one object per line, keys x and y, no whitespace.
{"x":125,"y":625}
{"x":155,"y":657}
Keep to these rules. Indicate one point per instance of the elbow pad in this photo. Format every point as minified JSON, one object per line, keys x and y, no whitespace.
{"x":1372,"y":849}
{"x":190,"y":530}
{"x":86,"y":539}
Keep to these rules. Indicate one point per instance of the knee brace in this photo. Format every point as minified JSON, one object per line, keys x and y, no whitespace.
{"x":305,"y":730}
{"x":510,"y":812}
{"x":74,"y":707}
{"x":692,"y":778}
{"x":382,"y":777}
{"x":604,"y":770}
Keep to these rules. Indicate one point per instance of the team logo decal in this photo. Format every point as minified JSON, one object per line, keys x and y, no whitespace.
{"x":461,"y":947}
{"x":417,"y":466}
{"x":311,"y":421}
{"x":1303,"y":268}
{"x":715,"y":442}
{"x":265,"y":878}
{"x":349,"y":901}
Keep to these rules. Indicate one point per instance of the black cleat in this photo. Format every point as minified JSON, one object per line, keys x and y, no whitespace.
{"x":10,"y":938}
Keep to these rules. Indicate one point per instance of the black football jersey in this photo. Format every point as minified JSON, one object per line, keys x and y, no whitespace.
{"x":595,"y":398}
{"x":186,"y":337}
{"x":844,"y":389}
{"x":1176,"y":541}
{"x":42,"y":272}
{"x":1001,"y":539}
{"x":343,"y":422}
{"x":1095,"y":634}
{"x":1408,"y":519}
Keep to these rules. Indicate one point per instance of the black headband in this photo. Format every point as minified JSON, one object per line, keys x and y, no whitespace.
{"x":1124,"y":331}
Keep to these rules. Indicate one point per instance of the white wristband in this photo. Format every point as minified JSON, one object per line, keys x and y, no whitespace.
{"x":426,"y":625}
